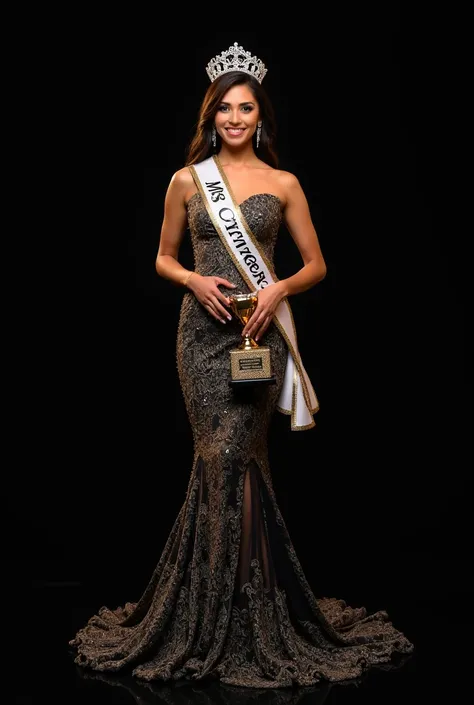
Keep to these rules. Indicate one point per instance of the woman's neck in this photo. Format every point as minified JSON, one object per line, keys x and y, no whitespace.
{"x":239,"y":158}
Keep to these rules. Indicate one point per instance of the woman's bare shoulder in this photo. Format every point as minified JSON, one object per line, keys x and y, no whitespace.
{"x":282,"y":183}
{"x":182,"y":178}
{"x":285,"y":178}
{"x":182,"y":185}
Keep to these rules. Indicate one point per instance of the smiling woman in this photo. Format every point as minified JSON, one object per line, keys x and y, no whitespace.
{"x":228,"y":599}
{"x":235,"y":106}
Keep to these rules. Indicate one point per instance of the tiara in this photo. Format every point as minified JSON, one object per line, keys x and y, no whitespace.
{"x":236,"y":59}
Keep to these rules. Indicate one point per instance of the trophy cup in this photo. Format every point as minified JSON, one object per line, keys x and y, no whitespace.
{"x":249,"y":363}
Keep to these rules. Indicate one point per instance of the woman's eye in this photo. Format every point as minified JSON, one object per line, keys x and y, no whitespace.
{"x":244,"y":108}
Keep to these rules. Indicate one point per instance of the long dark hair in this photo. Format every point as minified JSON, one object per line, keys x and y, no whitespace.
{"x":201,"y":145}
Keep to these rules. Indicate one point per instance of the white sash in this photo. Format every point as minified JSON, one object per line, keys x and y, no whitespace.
{"x":297,"y":396}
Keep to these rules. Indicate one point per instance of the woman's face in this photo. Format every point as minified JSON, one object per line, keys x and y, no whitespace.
{"x":237,"y":116}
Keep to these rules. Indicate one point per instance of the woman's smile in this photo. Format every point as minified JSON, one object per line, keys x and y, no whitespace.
{"x":235,"y":131}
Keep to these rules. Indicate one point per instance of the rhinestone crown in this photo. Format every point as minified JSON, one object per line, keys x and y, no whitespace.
{"x":236,"y":59}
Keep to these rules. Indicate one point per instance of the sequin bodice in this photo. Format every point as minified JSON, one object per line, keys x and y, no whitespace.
{"x":263,"y":215}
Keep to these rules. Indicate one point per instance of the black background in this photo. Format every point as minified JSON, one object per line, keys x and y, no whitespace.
{"x":376,"y":497}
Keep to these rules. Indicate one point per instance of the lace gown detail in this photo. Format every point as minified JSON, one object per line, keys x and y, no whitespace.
{"x":229,"y":599}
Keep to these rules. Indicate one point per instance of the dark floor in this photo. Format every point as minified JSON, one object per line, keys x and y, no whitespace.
{"x":46,"y":672}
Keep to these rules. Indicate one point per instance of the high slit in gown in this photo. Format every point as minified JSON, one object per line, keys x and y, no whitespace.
{"x":228,"y":598}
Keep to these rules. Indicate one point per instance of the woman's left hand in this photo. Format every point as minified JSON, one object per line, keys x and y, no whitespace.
{"x":268,"y":300}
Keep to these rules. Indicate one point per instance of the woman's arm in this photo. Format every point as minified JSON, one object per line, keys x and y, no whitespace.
{"x":300,"y":226}
{"x":173,"y":228}
{"x":205,"y":289}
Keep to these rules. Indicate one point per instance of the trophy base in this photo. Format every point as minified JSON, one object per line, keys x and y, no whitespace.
{"x":251,"y":364}
{"x":252,"y":382}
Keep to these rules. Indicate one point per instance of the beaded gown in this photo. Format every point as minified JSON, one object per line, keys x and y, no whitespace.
{"x":228,"y":598}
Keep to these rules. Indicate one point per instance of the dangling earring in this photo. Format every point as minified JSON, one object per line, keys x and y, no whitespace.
{"x":259,"y":132}
{"x":214,"y":137}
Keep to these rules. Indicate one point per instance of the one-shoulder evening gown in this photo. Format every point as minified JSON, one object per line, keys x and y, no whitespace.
{"x":228,"y":598}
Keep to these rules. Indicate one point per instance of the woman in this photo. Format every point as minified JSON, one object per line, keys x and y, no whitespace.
{"x":229,"y":599}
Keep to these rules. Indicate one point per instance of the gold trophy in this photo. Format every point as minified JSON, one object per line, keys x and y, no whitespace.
{"x":250,"y":362}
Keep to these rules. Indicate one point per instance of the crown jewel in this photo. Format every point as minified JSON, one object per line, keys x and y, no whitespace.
{"x":236,"y":59}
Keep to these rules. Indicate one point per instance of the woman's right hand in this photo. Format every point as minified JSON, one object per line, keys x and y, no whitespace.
{"x":206,"y":291}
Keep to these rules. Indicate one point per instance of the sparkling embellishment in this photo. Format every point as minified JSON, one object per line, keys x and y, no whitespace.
{"x":236,"y":59}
